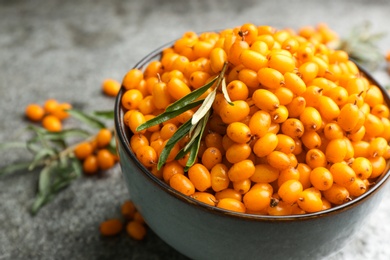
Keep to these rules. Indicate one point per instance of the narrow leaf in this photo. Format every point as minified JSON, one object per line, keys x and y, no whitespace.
{"x":10,"y":145}
{"x":179,"y":134}
{"x":15,"y":167}
{"x":44,"y":180}
{"x":204,"y":108}
{"x":108,"y":114}
{"x":62,"y":135}
{"x":225,"y":92}
{"x":193,"y":135}
{"x":87,"y":119}
{"x":39,"y":201}
{"x":190,"y":97}
{"x":168,"y":115}
{"x":40,"y":156}
{"x":77,"y":167}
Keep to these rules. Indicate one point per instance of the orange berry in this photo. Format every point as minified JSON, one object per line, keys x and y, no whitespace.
{"x":131,"y":99}
{"x":146,"y":155}
{"x":60,"y":111}
{"x":50,"y":105}
{"x":111,"y":87}
{"x":83,"y":150}
{"x":182,"y":184}
{"x":90,"y":165}
{"x":136,"y":230}
{"x":232,"y":205}
{"x":205,"y":197}
{"x":105,"y":159}
{"x":132,"y":79}
{"x":111,"y":227}
{"x":34,"y":112}
{"x":103,"y":137}
{"x":128,"y":209}
{"x":52,"y":123}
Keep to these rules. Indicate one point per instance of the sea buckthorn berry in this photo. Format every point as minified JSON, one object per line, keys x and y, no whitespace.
{"x":380,"y":110}
{"x":291,"y":45}
{"x":311,"y":119}
{"x":311,"y":139}
{"x":50,"y":105}
{"x":386,"y":129}
{"x":309,"y":201}
{"x":342,"y":174}
{"x":257,"y":199}
{"x":260,"y":123}
{"x":239,"y":132}
{"x":316,"y":158}
{"x":146,"y":106}
{"x":270,"y":78}
{"x":90,"y":165}
{"x":203,"y":49}
{"x":60,"y":111}
{"x":304,"y":175}
{"x":177,"y":88}
{"x":293,"y":127}
{"x":111,"y":227}
{"x":290,"y":191}
{"x":265,"y":100}
{"x":241,"y":170}
{"x":373,"y":96}
{"x":234,"y":113}
{"x":219,"y":177}
{"x":336,"y":150}
{"x":242,"y":186}
{"x":132,"y":79}
{"x":278,"y":160}
{"x":135,"y":120}
{"x":199,"y":175}
{"x":131,"y":99}
{"x":167,"y":131}
{"x":286,"y":144}
{"x":146,"y":155}
{"x":182,"y":184}
{"x":279,"y":115}
{"x":356,"y":85}
{"x":211,"y":156}
{"x":264,"y":173}
{"x":136,"y":230}
{"x":336,"y":194}
{"x":253,"y":60}
{"x":290,"y":173}
{"x":34,"y":112}
{"x":237,"y":90}
{"x":198,"y":79}
{"x":205,"y":197}
{"x":105,"y":159}
{"x":138,"y":140}
{"x":218,"y":58}
{"x":328,"y":109}
{"x":284,"y":95}
{"x":235,"y":51}
{"x":362,"y":167}
{"x":103,"y":137}
{"x":153,"y":69}
{"x":377,"y":147}
{"x":305,"y":52}
{"x":238,"y":152}
{"x":231,"y":205}
{"x":111,"y":87}
{"x":215,"y":140}
{"x":312,"y":96}
{"x":281,"y":63}
{"x":161,"y":96}
{"x":228,"y":193}
{"x":128,"y":209}
{"x":293,"y":82}
{"x":83,"y":150}
{"x":260,"y":47}
{"x":248,"y":32}
{"x":52,"y":123}
{"x":357,"y":188}
{"x":170,"y":169}
{"x":333,"y":131}
{"x":249,"y":77}
{"x":296,"y":107}
{"x":378,"y":166}
{"x":373,"y":125}
{"x":321,"y":178}
{"x":265,"y":144}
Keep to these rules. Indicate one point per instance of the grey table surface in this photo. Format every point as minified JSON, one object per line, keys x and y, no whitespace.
{"x":64,"y":49}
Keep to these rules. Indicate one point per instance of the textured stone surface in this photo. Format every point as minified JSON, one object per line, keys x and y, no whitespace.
{"x":64,"y":49}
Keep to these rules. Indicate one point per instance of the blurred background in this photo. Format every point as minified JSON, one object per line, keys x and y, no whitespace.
{"x":65,"y":49}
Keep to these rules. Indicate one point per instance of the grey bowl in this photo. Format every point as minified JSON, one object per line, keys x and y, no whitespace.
{"x":200,"y":231}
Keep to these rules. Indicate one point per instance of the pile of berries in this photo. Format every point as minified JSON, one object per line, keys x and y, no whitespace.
{"x":307,"y":130}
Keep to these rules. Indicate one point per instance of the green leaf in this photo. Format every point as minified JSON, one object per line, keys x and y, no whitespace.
{"x":225,"y":92}
{"x":64,"y":134}
{"x":204,"y":108}
{"x":190,"y":97}
{"x":179,"y":134}
{"x":167,"y":115}
{"x":112,"y":146}
{"x":40,"y":200}
{"x":45,"y":180}
{"x":15,"y":167}
{"x":77,"y":166}
{"x":40,"y":156}
{"x":10,"y":145}
{"x":87,"y":119}
{"x":108,"y":114}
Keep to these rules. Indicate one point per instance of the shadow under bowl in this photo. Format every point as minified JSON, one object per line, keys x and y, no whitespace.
{"x":200,"y":231}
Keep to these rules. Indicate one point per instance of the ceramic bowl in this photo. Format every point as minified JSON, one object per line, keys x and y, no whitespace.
{"x":200,"y":231}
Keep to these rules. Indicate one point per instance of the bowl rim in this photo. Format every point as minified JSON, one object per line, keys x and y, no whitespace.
{"x":122,"y":136}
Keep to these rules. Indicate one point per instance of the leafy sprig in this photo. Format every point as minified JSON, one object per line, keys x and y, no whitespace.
{"x":53,"y":154}
{"x":195,"y":126}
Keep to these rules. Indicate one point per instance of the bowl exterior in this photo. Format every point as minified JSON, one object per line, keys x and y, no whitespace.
{"x":202,"y":233}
